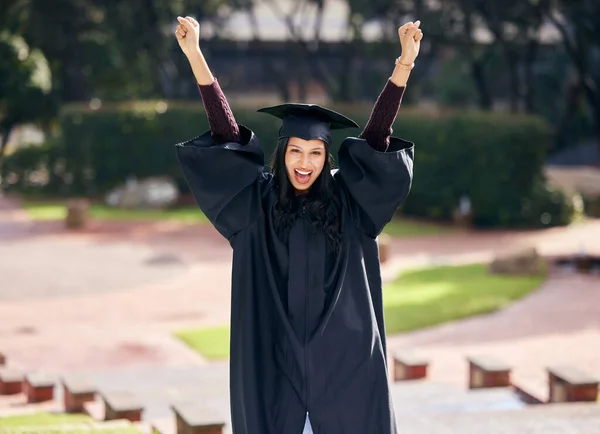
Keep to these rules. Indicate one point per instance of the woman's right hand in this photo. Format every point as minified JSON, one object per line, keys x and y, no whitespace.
{"x":188,"y":35}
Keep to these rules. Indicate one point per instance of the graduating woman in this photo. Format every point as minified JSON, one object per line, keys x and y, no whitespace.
{"x":308,"y":347}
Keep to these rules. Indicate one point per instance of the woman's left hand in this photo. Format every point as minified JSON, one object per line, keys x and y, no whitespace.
{"x":410,"y":39}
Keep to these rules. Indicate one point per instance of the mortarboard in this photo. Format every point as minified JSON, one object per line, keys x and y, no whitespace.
{"x":308,"y":121}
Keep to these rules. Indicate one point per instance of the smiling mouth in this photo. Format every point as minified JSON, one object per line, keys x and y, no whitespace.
{"x":302,"y":176}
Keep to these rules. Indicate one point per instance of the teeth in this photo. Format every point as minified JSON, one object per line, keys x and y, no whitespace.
{"x":303,"y":173}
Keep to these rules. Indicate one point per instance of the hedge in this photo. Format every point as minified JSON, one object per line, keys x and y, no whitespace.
{"x":495,"y":159}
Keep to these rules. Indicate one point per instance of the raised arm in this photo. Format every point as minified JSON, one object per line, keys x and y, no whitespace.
{"x":223,"y":126}
{"x":378,"y":130}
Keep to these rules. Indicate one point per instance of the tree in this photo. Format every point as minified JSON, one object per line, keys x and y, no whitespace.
{"x":577,"y":21}
{"x":25,"y":86}
{"x":515,"y":25}
{"x":453,"y":24}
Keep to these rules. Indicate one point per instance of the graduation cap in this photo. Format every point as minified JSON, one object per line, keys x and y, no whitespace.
{"x":308,"y":121}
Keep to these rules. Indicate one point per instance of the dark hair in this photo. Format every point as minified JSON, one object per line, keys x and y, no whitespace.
{"x":322,"y":207}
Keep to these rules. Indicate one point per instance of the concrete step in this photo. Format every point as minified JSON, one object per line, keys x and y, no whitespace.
{"x":572,"y":418}
{"x":17,"y":404}
{"x":428,"y":397}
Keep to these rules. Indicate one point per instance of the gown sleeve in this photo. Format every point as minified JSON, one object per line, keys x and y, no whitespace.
{"x":376,"y":170}
{"x":225,"y":178}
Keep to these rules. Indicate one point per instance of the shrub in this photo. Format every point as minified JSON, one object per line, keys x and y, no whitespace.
{"x":494,"y":159}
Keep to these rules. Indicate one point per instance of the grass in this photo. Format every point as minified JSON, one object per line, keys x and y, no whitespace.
{"x":57,"y":211}
{"x":402,"y":227}
{"x":54,"y":210}
{"x":212,"y":343}
{"x":417,"y":299}
{"x":58,"y":423}
{"x":426,"y":297}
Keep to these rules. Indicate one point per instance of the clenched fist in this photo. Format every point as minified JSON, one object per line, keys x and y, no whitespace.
{"x":188,"y":35}
{"x":410,"y":39}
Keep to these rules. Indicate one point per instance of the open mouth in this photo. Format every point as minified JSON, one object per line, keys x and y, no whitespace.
{"x":302,"y":176}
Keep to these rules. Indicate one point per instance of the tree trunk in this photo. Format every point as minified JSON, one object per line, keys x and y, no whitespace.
{"x":570,"y":106}
{"x":5,"y":135}
{"x":513,"y":74}
{"x":529,"y":92}
{"x":156,"y":48}
{"x":478,"y":74}
{"x":595,"y":106}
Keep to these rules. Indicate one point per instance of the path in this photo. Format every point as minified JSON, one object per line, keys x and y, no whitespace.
{"x":559,"y":323}
{"x":121,"y":317}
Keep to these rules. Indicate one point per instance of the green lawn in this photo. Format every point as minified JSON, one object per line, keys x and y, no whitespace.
{"x":68,"y":423}
{"x":417,"y":299}
{"x":53,"y":210}
{"x":425,"y":297}
{"x":57,"y":211}
{"x":212,"y":343}
{"x":402,"y":227}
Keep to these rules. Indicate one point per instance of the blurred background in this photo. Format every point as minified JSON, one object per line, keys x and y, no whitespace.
{"x":109,"y":270}
{"x":89,"y":87}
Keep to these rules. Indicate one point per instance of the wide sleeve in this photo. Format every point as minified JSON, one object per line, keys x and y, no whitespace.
{"x":374,"y":183}
{"x":225,"y":179}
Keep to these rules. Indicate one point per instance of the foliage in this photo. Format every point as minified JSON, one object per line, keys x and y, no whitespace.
{"x":494,"y":159}
{"x":55,"y":210}
{"x":417,"y":299}
{"x":592,"y":206}
{"x":24,"y":87}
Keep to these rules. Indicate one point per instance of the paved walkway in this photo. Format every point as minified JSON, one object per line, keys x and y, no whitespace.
{"x":558,"y":324}
{"x":157,"y":277}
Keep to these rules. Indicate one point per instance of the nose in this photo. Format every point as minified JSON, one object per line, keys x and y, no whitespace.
{"x":306,"y":160}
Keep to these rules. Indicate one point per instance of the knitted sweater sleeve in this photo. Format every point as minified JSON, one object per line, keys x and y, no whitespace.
{"x":223,"y":126}
{"x":378,"y":130}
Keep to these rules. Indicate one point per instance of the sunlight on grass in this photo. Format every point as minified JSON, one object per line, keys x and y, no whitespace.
{"x":212,"y":343}
{"x":45,"y":211}
{"x":402,"y":227}
{"x":57,"y":211}
{"x":417,"y":299}
{"x":422,"y":298}
{"x":73,"y":423}
{"x":43,"y":419}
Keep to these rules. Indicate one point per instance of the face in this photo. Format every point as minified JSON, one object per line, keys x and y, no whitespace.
{"x":304,"y":161}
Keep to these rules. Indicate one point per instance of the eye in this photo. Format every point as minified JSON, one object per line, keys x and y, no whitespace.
{"x":295,"y":150}
{"x":316,"y":152}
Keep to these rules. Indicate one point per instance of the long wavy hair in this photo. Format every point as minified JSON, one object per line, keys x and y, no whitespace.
{"x":322,"y":206}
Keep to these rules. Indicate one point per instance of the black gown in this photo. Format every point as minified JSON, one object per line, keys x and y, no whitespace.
{"x":307,"y":328}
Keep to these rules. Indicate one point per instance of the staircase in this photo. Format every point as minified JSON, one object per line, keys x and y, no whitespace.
{"x":197,"y":397}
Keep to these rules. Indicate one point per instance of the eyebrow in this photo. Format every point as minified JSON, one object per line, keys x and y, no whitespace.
{"x":320,"y":148}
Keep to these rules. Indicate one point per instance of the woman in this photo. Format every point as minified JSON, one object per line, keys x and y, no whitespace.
{"x":308,"y":349}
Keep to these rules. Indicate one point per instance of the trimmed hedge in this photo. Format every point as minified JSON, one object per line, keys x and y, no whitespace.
{"x":494,"y":159}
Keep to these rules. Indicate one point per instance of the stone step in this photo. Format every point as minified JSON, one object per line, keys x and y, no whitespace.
{"x":165,"y":425}
{"x":486,"y":371}
{"x":572,"y":418}
{"x":17,"y":404}
{"x":531,"y":390}
{"x":95,"y":409}
{"x":416,"y":397}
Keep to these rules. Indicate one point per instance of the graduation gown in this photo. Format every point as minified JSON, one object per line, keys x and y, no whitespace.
{"x":307,"y":328}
